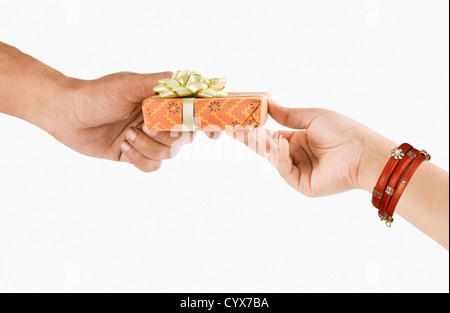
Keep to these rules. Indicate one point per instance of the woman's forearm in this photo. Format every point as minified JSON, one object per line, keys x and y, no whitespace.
{"x":425,"y":202}
{"x":29,"y":89}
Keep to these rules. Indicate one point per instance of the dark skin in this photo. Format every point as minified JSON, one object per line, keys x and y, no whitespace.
{"x":100,"y":128}
{"x":100,"y":118}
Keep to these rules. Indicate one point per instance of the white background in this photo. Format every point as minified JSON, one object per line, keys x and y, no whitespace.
{"x":218,"y":218}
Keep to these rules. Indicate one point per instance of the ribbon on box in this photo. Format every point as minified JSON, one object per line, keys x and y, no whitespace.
{"x":190,"y":85}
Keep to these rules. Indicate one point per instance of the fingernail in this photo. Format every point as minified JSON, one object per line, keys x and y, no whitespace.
{"x":131,"y":134}
{"x":125,"y":146}
{"x":151,"y":133}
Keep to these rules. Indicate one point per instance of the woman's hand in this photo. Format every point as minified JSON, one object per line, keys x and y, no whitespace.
{"x":328,"y":154}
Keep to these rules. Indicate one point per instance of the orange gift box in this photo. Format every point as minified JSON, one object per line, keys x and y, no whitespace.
{"x":232,"y":112}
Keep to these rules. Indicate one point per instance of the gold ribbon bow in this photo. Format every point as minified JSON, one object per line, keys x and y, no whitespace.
{"x":191,"y":84}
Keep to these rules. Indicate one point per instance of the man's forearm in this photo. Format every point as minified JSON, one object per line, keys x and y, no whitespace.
{"x":29,"y":89}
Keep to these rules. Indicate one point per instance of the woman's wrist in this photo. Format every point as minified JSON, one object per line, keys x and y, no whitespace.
{"x":375,"y":155}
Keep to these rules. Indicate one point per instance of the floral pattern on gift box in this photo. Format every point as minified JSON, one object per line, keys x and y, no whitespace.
{"x":236,"y":124}
{"x":255,"y":104}
{"x":252,"y":122}
{"x":215,"y":106}
{"x":174,"y":108}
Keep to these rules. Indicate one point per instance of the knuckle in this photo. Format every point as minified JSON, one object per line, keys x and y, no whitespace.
{"x":290,"y":112}
{"x":318,"y":111}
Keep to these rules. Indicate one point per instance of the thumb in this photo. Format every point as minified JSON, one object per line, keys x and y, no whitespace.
{"x":298,"y":118}
{"x":145,"y":83}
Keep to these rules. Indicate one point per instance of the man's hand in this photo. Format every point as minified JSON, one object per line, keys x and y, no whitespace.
{"x":100,"y":118}
{"x":103,"y":118}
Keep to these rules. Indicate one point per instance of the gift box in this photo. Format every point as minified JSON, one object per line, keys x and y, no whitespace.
{"x":190,"y":102}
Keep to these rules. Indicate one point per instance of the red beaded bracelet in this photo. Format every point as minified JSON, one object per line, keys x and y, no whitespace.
{"x":394,"y":179}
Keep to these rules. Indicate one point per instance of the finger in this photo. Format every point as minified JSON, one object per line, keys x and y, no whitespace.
{"x":294,"y":118}
{"x":171,"y":138}
{"x":244,"y":137}
{"x":275,"y":147}
{"x":263,"y":142}
{"x":285,"y":167}
{"x":149,"y":147}
{"x":274,"y":135}
{"x":131,"y":155}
